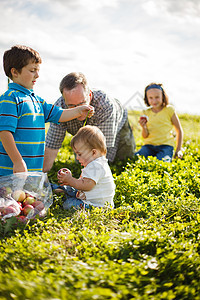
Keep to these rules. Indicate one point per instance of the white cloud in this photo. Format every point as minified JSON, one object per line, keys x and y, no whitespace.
{"x":121,"y":45}
{"x":88,"y":4}
{"x":182,"y":9}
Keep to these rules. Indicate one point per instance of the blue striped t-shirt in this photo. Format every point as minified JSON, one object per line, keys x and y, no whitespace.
{"x":25,"y":114}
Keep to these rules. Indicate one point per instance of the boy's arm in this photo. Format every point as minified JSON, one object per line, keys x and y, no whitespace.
{"x":80,"y":112}
{"x":9,"y":145}
{"x":83,"y":183}
{"x":179,"y":135}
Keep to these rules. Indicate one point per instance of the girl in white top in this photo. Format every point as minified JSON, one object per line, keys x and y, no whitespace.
{"x":96,"y":184}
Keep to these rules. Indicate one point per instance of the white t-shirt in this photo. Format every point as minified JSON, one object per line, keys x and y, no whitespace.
{"x":104,"y":190}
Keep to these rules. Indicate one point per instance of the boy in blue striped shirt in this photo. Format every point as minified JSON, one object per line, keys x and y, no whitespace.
{"x":23,"y":114}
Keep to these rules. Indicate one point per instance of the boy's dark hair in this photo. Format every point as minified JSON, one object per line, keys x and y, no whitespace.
{"x":18,"y":57}
{"x":164,"y":95}
{"x":71,"y":81}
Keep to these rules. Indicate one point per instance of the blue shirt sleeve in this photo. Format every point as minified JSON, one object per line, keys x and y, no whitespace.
{"x":52,"y":113}
{"x":8,"y":112}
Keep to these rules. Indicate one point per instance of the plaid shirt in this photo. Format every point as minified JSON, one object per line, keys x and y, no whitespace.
{"x":109,"y":116}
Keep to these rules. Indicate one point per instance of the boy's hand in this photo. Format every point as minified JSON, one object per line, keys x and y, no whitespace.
{"x":83,"y":110}
{"x":20,"y":166}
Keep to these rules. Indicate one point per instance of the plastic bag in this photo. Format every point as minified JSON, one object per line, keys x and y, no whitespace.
{"x":25,"y":195}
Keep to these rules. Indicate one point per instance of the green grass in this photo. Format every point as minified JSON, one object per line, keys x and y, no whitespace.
{"x":146,"y":248}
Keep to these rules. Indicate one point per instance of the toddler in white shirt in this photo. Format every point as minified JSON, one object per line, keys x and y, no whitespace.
{"x":96,"y":184}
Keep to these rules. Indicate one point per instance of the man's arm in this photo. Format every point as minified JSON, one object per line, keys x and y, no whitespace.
{"x":9,"y":145}
{"x":54,"y":139}
{"x":49,"y":157}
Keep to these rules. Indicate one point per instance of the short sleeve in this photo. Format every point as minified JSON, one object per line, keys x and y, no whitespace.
{"x":170,"y":110}
{"x":93,"y":171}
{"x":8,"y":113}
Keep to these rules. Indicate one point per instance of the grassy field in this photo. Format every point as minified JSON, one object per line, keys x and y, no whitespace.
{"x":146,"y":248}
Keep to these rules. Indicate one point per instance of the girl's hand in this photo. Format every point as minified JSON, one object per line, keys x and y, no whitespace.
{"x":143,"y":121}
{"x":178,"y":154}
{"x":85,"y":111}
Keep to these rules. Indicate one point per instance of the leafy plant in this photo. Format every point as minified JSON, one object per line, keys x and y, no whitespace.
{"x":146,"y":248}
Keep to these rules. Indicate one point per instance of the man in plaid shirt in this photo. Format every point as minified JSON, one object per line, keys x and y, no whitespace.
{"x":109,"y":116}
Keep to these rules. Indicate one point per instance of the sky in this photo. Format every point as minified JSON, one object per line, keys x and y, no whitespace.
{"x":120,"y":45}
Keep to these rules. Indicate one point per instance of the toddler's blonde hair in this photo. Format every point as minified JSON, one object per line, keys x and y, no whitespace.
{"x":92,"y":137}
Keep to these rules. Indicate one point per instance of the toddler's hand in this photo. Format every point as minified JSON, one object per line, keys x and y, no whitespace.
{"x":63,"y":176}
{"x":64,"y":170}
{"x":81,"y":195}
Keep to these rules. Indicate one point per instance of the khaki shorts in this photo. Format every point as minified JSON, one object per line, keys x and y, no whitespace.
{"x":126,"y":146}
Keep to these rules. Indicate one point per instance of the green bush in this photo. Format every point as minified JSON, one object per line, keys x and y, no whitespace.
{"x":146,"y":248}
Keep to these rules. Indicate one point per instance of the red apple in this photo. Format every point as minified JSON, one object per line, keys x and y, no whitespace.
{"x":27,"y":209}
{"x":9,"y":210}
{"x":64,"y":170}
{"x":39,"y":205}
{"x":144,"y":117}
{"x":4,"y":191}
{"x":18,"y":195}
{"x":29,"y":200}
